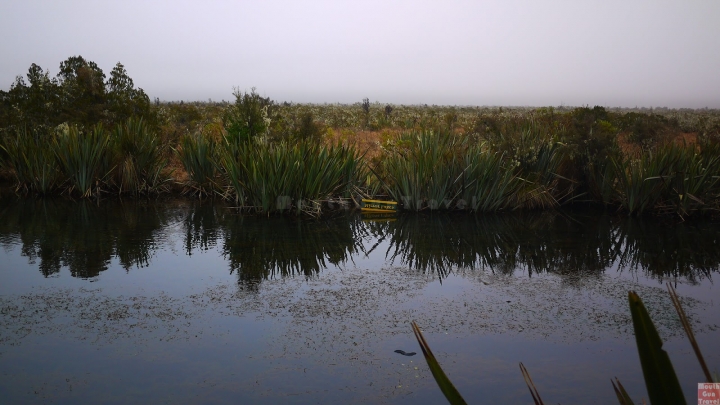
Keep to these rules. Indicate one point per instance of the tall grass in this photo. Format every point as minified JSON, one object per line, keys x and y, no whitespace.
{"x":489,"y":182}
{"x":83,"y":157}
{"x":672,"y":179}
{"x":139,"y":158}
{"x":479,"y":159}
{"x":268,"y":177}
{"x":693,"y":184}
{"x":32,"y":161}
{"x":197,"y":154}
{"x":423,"y":170}
{"x":437,"y":170}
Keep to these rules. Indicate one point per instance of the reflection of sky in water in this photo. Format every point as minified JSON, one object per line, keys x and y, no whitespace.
{"x":182,"y":328}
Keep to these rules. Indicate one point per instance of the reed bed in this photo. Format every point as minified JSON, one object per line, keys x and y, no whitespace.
{"x":140,"y":158}
{"x":428,"y":158}
{"x":32,"y":161}
{"x":84,"y":158}
{"x":198,"y":156}
{"x":430,"y":170}
{"x":270,"y":177}
{"x":676,"y":179}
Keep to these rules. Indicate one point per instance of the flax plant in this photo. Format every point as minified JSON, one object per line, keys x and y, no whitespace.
{"x":601,"y":178}
{"x":198,"y":155}
{"x":693,"y":183}
{"x":139,"y":155}
{"x":541,"y":167}
{"x":83,"y":158}
{"x":639,"y":182}
{"x":661,"y":382}
{"x":31,"y":159}
{"x":489,"y":182}
{"x":425,"y":174}
{"x":268,"y":177}
{"x":671,"y":179}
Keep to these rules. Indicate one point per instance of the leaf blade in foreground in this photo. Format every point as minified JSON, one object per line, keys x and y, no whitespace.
{"x":447,"y":388}
{"x":660,"y":379}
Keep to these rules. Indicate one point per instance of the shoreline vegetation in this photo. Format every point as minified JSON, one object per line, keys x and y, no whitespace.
{"x":82,"y":135}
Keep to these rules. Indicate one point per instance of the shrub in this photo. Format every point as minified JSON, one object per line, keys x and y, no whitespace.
{"x":31,"y":158}
{"x":83,"y":157}
{"x":268,"y":177}
{"x":248,"y":117}
{"x":139,"y":157}
{"x":197,"y":154}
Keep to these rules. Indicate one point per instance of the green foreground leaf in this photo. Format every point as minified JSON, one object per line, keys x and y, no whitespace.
{"x":447,"y":388}
{"x":622,"y":395}
{"x":660,"y":379}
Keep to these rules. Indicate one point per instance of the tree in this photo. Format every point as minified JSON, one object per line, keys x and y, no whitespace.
{"x":30,"y":104}
{"x":124,"y":100}
{"x":82,"y":91}
{"x":248,"y":117}
{"x":41,"y":98}
{"x":78,"y":95}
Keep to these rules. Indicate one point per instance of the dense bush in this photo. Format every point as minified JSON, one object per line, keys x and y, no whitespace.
{"x":139,"y":158}
{"x":79,"y":95}
{"x":248,"y":118}
{"x":84,"y":133}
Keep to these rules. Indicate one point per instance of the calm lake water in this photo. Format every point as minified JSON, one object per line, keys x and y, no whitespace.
{"x":181,"y":302}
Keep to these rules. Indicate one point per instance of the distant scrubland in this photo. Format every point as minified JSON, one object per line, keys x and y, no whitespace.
{"x":84,"y":134}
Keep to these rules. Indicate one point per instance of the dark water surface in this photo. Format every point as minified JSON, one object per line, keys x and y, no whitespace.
{"x":181,"y":302}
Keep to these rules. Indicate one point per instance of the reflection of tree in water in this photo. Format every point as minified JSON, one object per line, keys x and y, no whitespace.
{"x":86,"y":236}
{"x":82,"y":235}
{"x":201,"y":226}
{"x":687,"y":249}
{"x":266,"y":247}
{"x":554,"y":242}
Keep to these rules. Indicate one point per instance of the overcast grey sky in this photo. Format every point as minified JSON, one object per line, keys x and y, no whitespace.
{"x":612,"y":53}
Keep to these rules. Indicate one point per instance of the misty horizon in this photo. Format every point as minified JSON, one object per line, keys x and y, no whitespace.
{"x":529,"y":54}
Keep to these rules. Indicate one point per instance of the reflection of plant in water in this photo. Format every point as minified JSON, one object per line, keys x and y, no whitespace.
{"x":85,"y":237}
{"x":81,"y":235}
{"x":537,"y":242}
{"x":261,"y":248}
{"x":201,"y":227}
{"x":550,"y":242}
{"x":688,"y":249}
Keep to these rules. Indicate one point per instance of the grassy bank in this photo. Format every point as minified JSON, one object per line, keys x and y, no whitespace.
{"x":269,"y":157}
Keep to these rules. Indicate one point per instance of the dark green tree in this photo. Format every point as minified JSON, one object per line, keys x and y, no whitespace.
{"x":123,"y":99}
{"x":79,"y":95}
{"x":29,"y":104}
{"x":247,"y":118}
{"x":41,"y":99}
{"x":82,"y":92}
